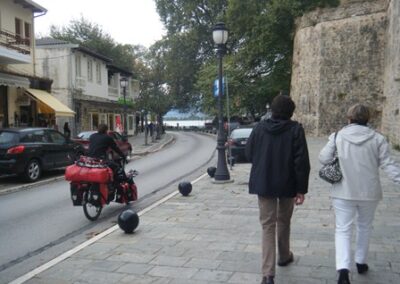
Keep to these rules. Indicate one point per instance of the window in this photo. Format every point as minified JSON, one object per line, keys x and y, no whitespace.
{"x":95,"y":121}
{"x":78,"y":65}
{"x":103,"y":118}
{"x":98,"y":73}
{"x":27,"y":31}
{"x":56,"y":137}
{"x":18,"y":28}
{"x":90,"y":70}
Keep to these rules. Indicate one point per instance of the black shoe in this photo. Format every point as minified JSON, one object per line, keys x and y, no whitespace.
{"x":268,"y":280}
{"x":343,"y":276}
{"x":288,"y":261}
{"x":362,"y":268}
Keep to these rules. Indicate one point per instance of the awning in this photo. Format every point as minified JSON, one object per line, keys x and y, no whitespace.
{"x":49,"y":104}
{"x":14,"y":81}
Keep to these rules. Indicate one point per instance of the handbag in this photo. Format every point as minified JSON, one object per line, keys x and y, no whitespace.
{"x":331,"y":171}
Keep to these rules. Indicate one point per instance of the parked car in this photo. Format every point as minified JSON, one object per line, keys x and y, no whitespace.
{"x":121,"y":141}
{"x":237,"y":143}
{"x":29,"y":151}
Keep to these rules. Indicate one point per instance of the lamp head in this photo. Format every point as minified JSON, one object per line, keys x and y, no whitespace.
{"x":124,"y":82}
{"x":220,"y":34}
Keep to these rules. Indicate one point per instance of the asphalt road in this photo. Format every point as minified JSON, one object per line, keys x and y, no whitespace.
{"x":40,"y":223}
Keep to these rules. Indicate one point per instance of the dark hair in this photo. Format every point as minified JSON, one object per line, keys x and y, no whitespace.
{"x":102,"y":128}
{"x":359,"y":114}
{"x":282,"y":107}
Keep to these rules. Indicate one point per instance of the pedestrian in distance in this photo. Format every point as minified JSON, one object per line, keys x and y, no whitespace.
{"x":361,"y":152}
{"x":277,"y":149}
{"x":67,"y":131}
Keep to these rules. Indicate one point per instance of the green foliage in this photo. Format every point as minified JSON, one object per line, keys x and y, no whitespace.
{"x":260,"y":44}
{"x":91,"y":35}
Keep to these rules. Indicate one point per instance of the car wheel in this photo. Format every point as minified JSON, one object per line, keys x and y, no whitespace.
{"x":33,"y":170}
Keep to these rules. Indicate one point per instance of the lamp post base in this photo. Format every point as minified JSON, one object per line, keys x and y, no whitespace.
{"x":222,"y":181}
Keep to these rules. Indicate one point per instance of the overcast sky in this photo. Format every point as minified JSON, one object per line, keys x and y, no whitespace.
{"x":127,"y":21}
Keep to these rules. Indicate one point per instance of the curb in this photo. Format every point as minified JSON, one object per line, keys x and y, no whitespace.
{"x":144,"y":153}
{"x":29,"y":185}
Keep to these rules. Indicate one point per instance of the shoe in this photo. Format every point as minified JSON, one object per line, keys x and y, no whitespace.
{"x":268,"y":280}
{"x":362,"y":268}
{"x":343,"y":276}
{"x":288,"y":261}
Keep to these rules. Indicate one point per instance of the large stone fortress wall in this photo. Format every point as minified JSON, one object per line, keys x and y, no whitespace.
{"x":391,"y":106}
{"x":344,"y":55}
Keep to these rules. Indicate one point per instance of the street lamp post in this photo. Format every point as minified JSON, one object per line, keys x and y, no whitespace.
{"x":220,"y":36}
{"x":124,"y":84}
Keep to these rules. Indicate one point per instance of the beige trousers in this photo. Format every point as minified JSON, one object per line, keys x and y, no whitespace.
{"x":275,"y":212}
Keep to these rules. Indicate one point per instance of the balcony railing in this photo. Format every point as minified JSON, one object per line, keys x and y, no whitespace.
{"x":112,"y":91}
{"x":15,"y":42}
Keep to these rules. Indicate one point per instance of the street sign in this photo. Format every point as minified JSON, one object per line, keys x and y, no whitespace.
{"x":216,"y":87}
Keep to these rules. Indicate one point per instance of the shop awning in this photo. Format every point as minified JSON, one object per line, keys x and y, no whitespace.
{"x":14,"y":81}
{"x":49,"y":104}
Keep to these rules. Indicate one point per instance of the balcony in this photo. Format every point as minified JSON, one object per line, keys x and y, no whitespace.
{"x":112,"y":91}
{"x":80,"y":83}
{"x":14,"y":49}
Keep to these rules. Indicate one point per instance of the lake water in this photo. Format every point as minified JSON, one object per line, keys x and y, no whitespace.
{"x":185,"y":123}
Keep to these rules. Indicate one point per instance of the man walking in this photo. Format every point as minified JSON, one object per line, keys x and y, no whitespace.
{"x":277,"y":149}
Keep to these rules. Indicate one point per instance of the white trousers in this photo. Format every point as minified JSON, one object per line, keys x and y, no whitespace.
{"x":346,"y":211}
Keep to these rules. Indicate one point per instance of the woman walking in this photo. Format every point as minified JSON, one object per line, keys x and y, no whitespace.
{"x":361,"y":151}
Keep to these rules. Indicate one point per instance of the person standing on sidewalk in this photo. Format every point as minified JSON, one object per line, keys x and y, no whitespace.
{"x":277,"y":149}
{"x":361,"y":151}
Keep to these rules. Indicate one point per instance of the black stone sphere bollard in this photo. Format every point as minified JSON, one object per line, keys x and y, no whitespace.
{"x":128,"y":221}
{"x":185,"y":188}
{"x":211,"y":171}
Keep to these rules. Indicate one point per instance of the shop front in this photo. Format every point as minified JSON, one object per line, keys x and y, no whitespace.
{"x":45,"y":110}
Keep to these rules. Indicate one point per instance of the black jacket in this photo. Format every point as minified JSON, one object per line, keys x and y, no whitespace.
{"x":98,"y":145}
{"x":278,"y":152}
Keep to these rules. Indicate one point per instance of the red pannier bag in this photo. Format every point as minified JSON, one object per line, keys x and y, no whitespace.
{"x":127,"y":193}
{"x":76,"y":173}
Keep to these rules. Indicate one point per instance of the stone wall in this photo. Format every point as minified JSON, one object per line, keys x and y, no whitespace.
{"x":390,"y":114}
{"x":341,"y":57}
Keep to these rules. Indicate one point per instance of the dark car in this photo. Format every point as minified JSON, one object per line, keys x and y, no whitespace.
{"x":121,"y":141}
{"x":237,"y":143}
{"x":29,"y":151}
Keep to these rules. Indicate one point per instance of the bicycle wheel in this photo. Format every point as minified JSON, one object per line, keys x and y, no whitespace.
{"x":92,"y":212}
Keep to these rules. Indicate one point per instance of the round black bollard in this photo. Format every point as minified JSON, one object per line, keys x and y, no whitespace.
{"x":128,"y":221}
{"x":185,"y":188}
{"x":211,"y":171}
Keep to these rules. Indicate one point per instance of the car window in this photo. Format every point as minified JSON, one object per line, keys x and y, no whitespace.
{"x":34,"y":137}
{"x":241,"y":133}
{"x":56,"y":137}
{"x":85,"y":135}
{"x":8,"y":137}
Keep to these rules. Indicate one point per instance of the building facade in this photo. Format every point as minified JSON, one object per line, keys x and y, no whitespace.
{"x":88,"y":83}
{"x":346,"y":55}
{"x":21,"y":97}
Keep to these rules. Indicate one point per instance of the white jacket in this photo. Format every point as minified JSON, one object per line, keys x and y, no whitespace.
{"x":361,"y":152}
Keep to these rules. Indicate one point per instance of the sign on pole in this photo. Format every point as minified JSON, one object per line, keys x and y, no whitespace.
{"x":216,"y":87}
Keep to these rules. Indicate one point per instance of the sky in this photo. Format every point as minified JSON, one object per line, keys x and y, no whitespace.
{"x":126,"y":21}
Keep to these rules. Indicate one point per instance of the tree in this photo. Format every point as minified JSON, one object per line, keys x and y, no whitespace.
{"x":264,"y":44}
{"x":91,"y":35}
